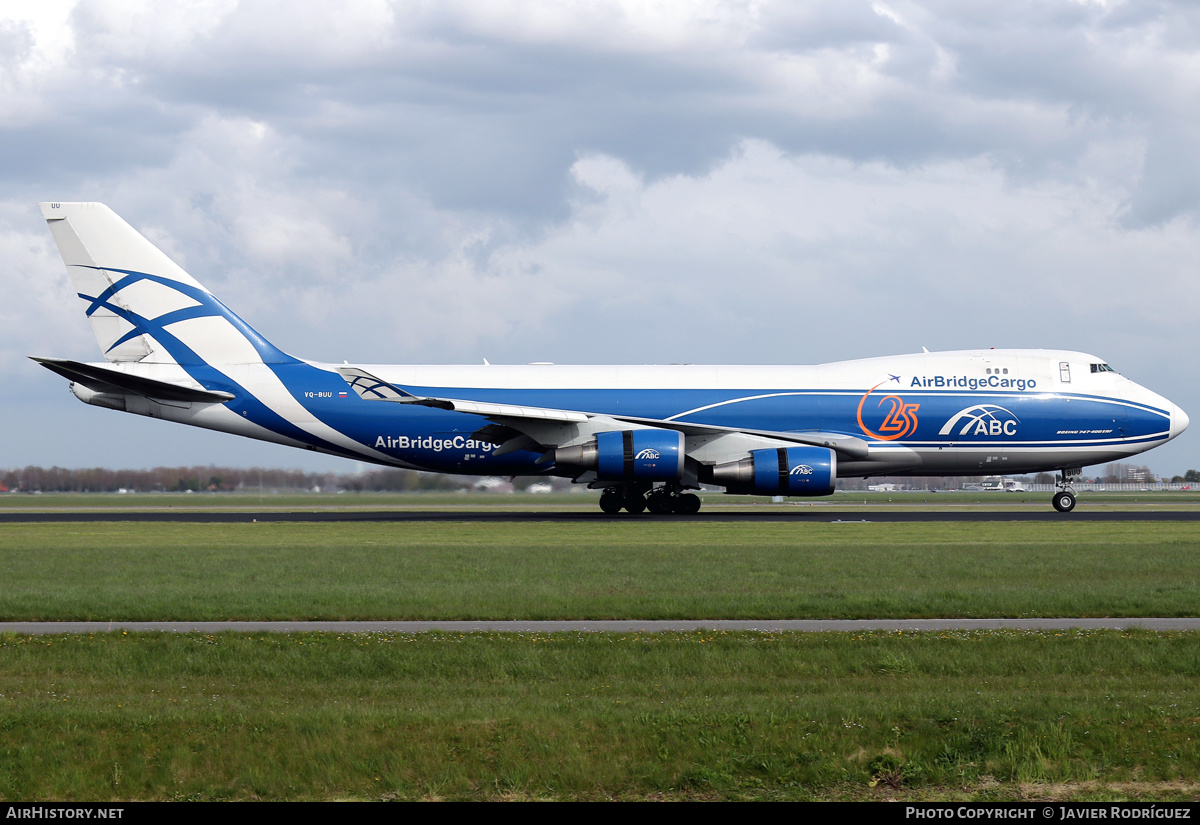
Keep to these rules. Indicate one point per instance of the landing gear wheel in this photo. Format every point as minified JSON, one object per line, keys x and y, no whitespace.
{"x":1064,"y":502}
{"x":611,"y":501}
{"x":658,"y":502}
{"x":1064,"y":499}
{"x":687,"y":504}
{"x":635,"y":502}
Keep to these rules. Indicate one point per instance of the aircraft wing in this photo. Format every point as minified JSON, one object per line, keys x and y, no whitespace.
{"x":376,"y":389}
{"x":847,"y":446}
{"x":522,"y":427}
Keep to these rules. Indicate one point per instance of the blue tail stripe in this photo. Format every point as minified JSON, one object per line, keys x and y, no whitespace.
{"x":163,"y":321}
{"x":210,"y":305}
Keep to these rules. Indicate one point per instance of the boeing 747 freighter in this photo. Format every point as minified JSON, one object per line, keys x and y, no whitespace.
{"x":645,"y":435}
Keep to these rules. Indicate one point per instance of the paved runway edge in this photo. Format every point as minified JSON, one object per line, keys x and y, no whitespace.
{"x":606,"y":626}
{"x":796,"y":516}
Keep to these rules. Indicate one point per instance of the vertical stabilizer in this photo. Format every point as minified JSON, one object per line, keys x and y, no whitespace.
{"x":141,"y":304}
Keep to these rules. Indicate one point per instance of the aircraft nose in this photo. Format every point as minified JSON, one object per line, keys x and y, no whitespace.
{"x":1179,"y":421}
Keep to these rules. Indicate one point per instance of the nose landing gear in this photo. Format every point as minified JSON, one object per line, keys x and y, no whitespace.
{"x":1064,"y":499}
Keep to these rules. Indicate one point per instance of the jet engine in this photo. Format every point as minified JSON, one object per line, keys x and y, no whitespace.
{"x":789,"y":471}
{"x":628,"y":455}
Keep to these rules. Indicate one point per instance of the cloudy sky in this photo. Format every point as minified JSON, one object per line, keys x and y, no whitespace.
{"x":607,"y":182}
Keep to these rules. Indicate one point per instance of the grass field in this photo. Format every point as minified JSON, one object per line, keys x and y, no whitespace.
{"x":996,"y":715}
{"x":989,"y":715}
{"x":595,"y":570}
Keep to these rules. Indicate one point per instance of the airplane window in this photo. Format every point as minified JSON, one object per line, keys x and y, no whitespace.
{"x":1006,"y":370}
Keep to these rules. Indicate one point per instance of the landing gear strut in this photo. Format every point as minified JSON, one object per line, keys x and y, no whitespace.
{"x":638,"y":498}
{"x":1064,"y":499}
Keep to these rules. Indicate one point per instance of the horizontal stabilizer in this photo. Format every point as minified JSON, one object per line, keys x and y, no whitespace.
{"x":103,"y":379}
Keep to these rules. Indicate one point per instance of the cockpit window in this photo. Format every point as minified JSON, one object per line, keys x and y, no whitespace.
{"x":1102,"y":368}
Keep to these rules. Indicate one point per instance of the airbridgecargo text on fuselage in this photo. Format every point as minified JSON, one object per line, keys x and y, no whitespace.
{"x":963,"y":382}
{"x":458,"y":442}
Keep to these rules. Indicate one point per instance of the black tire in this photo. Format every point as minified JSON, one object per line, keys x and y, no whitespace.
{"x":611,"y":501}
{"x":1064,"y":502}
{"x":687,"y":504}
{"x":658,"y":503}
{"x":635,"y":503}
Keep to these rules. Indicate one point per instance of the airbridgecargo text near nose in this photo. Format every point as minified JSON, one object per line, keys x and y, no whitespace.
{"x":646,"y":435}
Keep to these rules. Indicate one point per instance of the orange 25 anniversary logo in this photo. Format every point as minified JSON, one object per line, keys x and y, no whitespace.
{"x":899,"y":421}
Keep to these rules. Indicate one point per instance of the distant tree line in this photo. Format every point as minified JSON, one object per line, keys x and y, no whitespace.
{"x":268,"y":479}
{"x":218,"y":480}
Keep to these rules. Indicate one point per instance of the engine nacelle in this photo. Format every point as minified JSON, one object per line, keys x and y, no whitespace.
{"x":628,"y":455}
{"x":790,"y":471}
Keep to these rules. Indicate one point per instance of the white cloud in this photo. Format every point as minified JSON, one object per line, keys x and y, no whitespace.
{"x":39,"y":314}
{"x":788,"y":182}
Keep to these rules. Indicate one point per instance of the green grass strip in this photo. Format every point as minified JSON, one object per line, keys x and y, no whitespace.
{"x":992,"y":715}
{"x":597,"y":570}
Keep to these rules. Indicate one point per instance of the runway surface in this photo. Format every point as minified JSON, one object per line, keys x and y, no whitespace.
{"x":798,"y":515}
{"x":679,"y":626}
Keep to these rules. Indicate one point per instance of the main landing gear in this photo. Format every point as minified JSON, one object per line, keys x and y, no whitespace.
{"x":1064,"y":499}
{"x":637,"y":498}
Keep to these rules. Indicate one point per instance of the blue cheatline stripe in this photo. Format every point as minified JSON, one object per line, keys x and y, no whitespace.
{"x":1021,"y":445}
